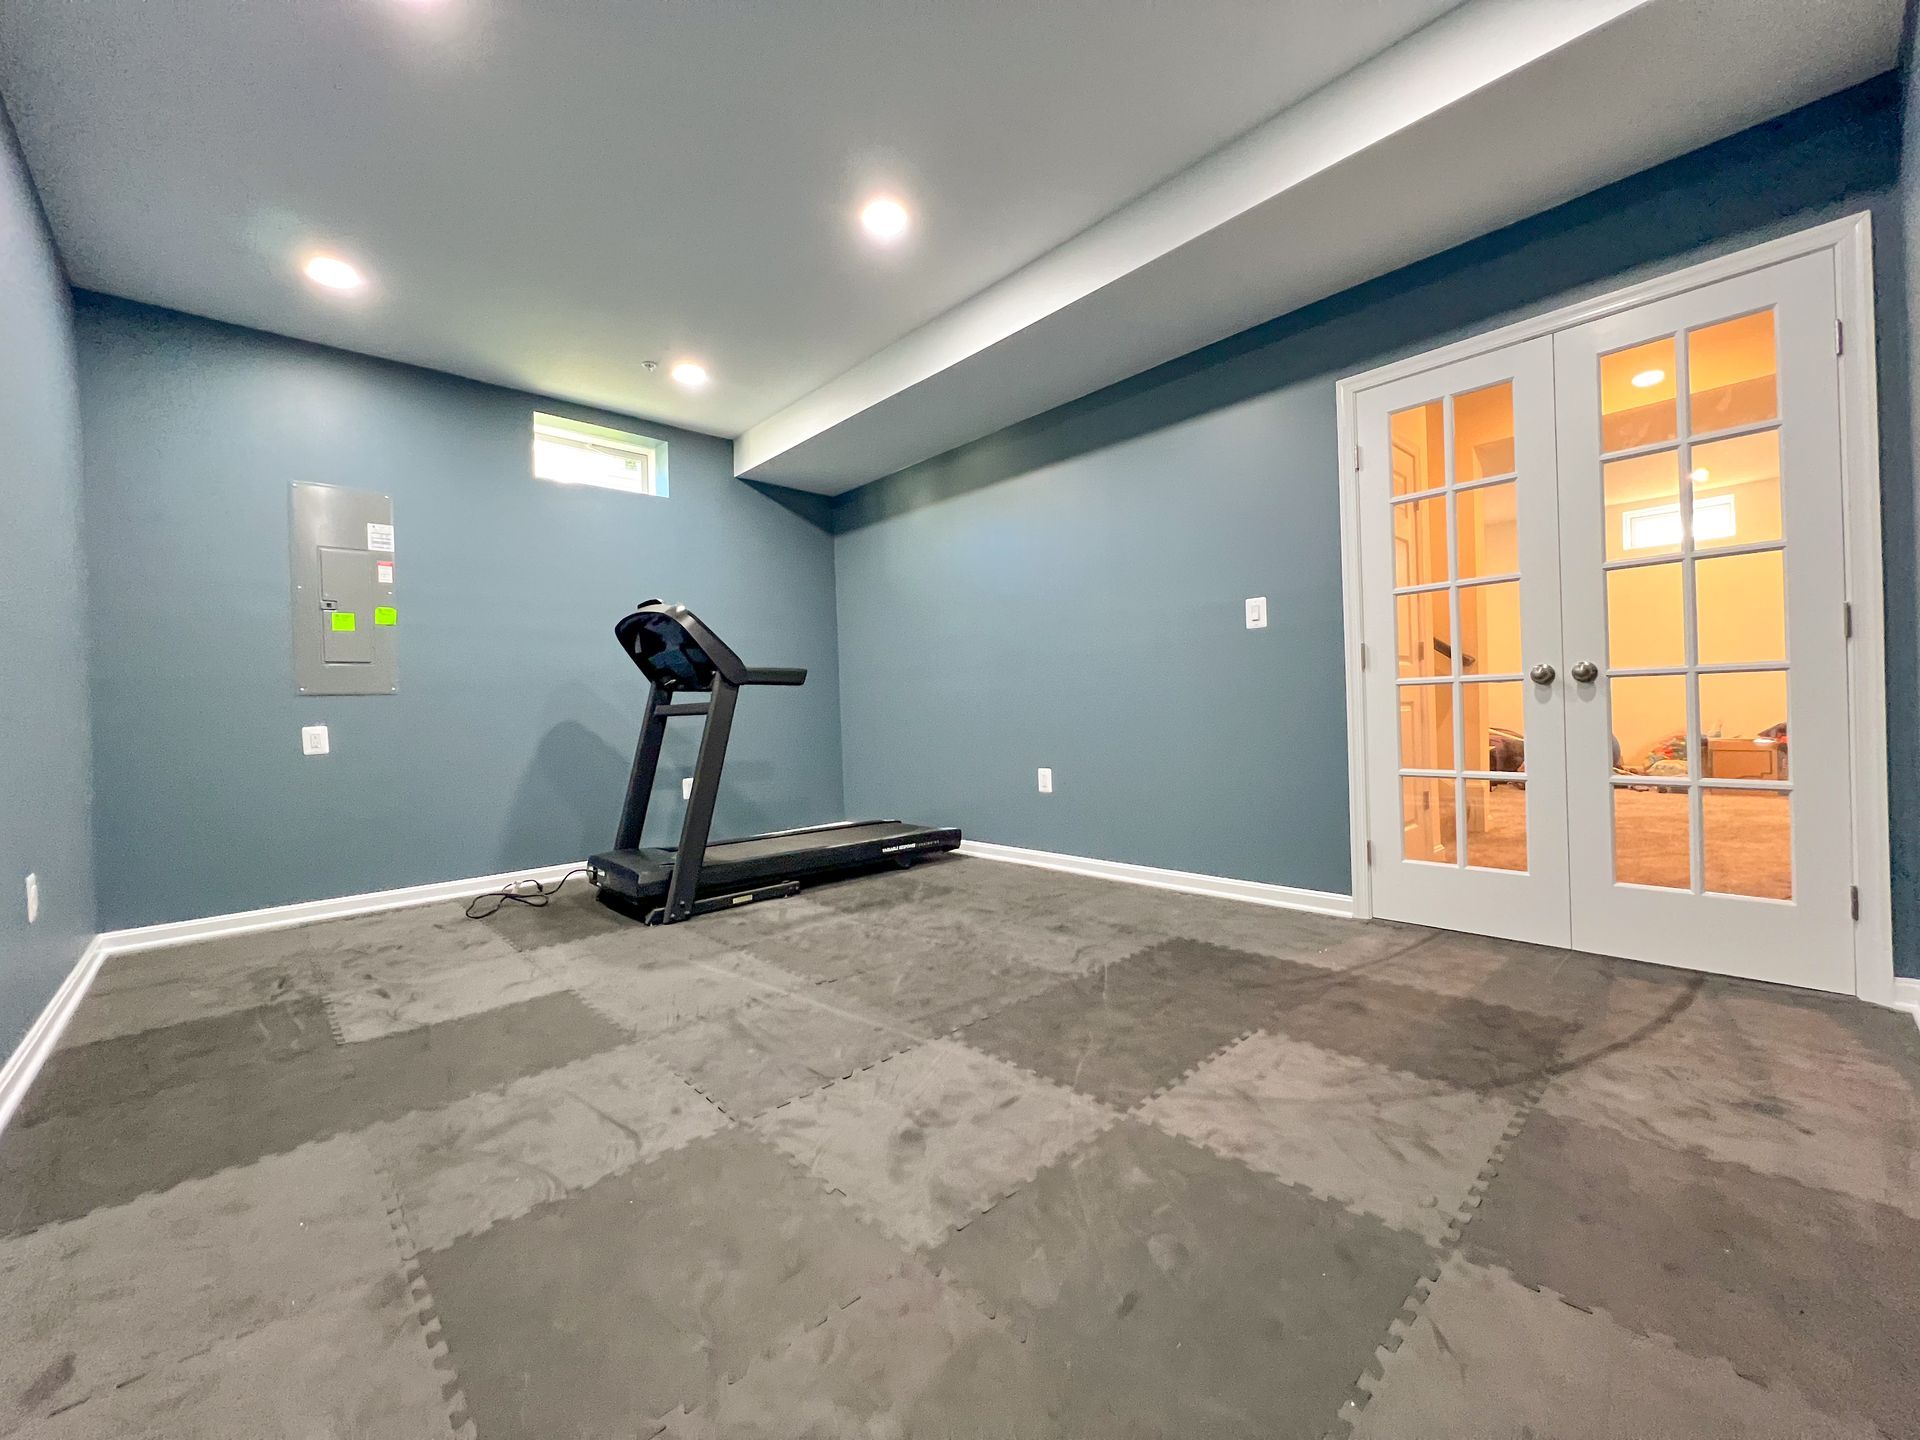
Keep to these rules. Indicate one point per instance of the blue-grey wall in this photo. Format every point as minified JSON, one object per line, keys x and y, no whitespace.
{"x":1068,"y":592}
{"x":45,"y":825}
{"x":509,"y":740}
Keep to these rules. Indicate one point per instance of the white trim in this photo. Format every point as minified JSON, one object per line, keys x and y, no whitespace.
{"x":1253,"y":892}
{"x":1906,"y":996}
{"x":306,"y":912}
{"x":23,"y":1066}
{"x":1850,"y":233}
{"x":1850,"y":242}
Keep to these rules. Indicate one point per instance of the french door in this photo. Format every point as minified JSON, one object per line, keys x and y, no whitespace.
{"x":1603,"y":581}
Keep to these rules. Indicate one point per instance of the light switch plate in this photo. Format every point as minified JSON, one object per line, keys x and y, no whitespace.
{"x":686,"y":788}
{"x":1257,"y":613}
{"x":1046,"y":782}
{"x":33,"y":898}
{"x":314,"y":740}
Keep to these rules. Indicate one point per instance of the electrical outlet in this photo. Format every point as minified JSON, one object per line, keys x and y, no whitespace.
{"x":1257,"y":612}
{"x":1046,"y":781}
{"x":314,"y":741}
{"x":686,"y":788}
{"x":33,"y":898}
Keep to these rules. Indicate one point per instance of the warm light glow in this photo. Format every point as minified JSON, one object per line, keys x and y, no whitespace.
{"x":1647,"y":379}
{"x":334,"y":273}
{"x":1698,"y":477}
{"x":691,"y":374}
{"x":885,"y":219}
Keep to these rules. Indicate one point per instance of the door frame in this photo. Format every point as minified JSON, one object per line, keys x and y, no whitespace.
{"x":1850,"y":243}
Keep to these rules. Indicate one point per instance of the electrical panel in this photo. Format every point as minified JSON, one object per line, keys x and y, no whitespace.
{"x":345,"y":622}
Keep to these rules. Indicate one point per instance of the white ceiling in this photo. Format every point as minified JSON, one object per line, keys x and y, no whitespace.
{"x":1499,"y":110}
{"x":547,"y":194}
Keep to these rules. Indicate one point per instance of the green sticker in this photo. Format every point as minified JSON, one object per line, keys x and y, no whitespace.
{"x":385,"y":615}
{"x":345,"y":620}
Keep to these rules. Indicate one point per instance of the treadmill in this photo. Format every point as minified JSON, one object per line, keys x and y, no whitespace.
{"x":680,"y":656}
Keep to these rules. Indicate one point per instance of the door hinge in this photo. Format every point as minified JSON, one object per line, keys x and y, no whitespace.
{"x":1839,"y":337}
{"x":1369,"y":854}
{"x":1356,"y":457}
{"x":1849,"y":618}
{"x":1363,"y":656}
{"x":1856,"y":902}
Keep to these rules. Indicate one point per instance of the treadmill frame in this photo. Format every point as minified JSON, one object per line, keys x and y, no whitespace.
{"x":683,"y":898}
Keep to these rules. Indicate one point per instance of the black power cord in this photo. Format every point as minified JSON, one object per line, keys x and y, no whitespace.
{"x":518,"y":894}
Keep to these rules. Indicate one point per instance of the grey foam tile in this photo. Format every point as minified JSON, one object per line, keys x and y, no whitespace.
{"x":934,"y":993}
{"x":1455,"y":1040}
{"x":653,"y":1000}
{"x":283,"y":1381}
{"x":615,"y":1305}
{"x":382,"y":995}
{"x":1166,"y":1291}
{"x":77,"y":1078}
{"x":96,"y":1302}
{"x":775,"y":1048}
{"x":151,"y":989}
{"x":1796,"y":1287}
{"x":1774,"y":1086}
{"x":1398,"y":1146}
{"x":495,"y":1155}
{"x":1489,"y":1359}
{"x":925,"y":1141}
{"x":1130,"y":1029}
{"x":866,"y":1372}
{"x":69,"y":1164}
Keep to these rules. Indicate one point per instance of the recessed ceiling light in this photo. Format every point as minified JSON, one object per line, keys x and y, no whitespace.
{"x":885,"y":219}
{"x":334,"y":273}
{"x":1698,"y":477}
{"x":1647,"y":379}
{"x":690,"y":373}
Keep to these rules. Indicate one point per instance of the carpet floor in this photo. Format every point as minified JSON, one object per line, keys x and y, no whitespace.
{"x":972,"y":1151}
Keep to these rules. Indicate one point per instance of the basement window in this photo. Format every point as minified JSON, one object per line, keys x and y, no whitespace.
{"x":572,"y":452}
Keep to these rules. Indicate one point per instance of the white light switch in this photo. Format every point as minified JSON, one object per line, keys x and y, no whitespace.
{"x":33,"y":898}
{"x":1046,"y":781}
{"x":1257,"y":613}
{"x":313,"y":740}
{"x":686,"y":788}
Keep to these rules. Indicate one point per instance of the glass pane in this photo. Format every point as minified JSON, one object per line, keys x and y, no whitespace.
{"x":1426,"y":727}
{"x":1637,"y":397}
{"x":1649,"y":717}
{"x":1419,"y":448}
{"x":1483,"y":433}
{"x":1643,"y":505}
{"x":1743,"y":724}
{"x":1731,"y":377}
{"x":1736,"y":490}
{"x":1426,"y":812}
{"x":1420,"y":541}
{"x":1490,"y":629}
{"x":1489,"y":538}
{"x":1742,"y":605}
{"x":1424,"y":630}
{"x":1494,"y":718}
{"x":1747,"y":837}
{"x":1497,"y":824}
{"x":1650,"y":837}
{"x":1645,"y":621}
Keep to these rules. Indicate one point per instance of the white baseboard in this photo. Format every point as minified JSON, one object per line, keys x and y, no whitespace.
{"x":279,"y":917}
{"x":1254,"y":892}
{"x":1906,"y":996}
{"x":23,"y":1066}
